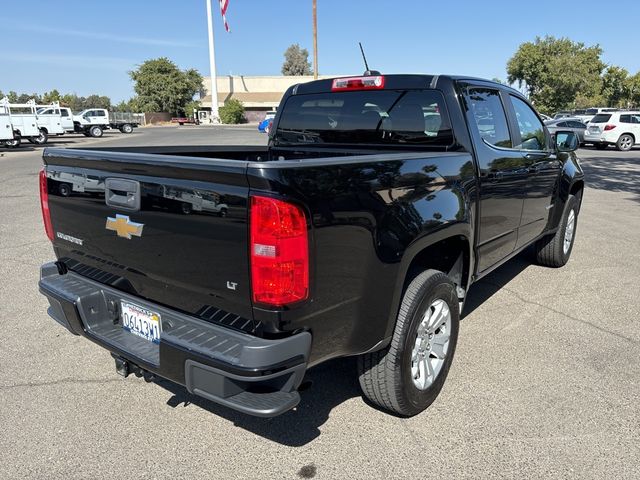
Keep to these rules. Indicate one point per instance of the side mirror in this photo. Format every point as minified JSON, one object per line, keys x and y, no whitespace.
{"x":566,"y":142}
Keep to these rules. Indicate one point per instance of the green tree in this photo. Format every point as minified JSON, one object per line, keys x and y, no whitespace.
{"x":633,"y":90}
{"x":190,"y":106}
{"x":13,"y":96}
{"x":52,"y":96}
{"x":556,"y":71}
{"x":232,"y":111}
{"x":162,"y":87}
{"x":615,"y":86}
{"x":296,"y":61}
{"x":97,"y":101}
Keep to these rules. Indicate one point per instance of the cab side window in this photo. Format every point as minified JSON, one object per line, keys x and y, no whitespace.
{"x":489,"y":117}
{"x":531,"y":128}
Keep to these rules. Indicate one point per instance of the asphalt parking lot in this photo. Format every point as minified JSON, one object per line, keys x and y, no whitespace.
{"x":545,"y":384}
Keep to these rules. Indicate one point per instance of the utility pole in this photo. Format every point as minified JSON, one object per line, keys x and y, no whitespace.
{"x":215,"y":117}
{"x":315,"y":41}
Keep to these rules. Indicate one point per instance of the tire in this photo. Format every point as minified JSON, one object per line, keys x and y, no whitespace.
{"x":555,"y":249}
{"x":15,"y":143}
{"x":96,"y":131}
{"x":625,"y":142}
{"x":223,"y":212}
{"x":601,"y":146}
{"x":126,"y":128}
{"x":386,"y":376}
{"x":42,"y":138}
{"x":185,"y":208}
{"x":64,"y":189}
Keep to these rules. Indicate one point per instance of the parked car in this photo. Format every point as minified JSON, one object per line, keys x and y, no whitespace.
{"x":263,"y":126}
{"x":357,"y":231}
{"x":563,"y":114}
{"x":545,"y":118}
{"x":567,"y":124}
{"x":591,"y":112}
{"x":621,"y":129}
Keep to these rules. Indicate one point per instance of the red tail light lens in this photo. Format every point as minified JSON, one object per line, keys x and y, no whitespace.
{"x":358,"y":83}
{"x":279,"y":252}
{"x":44,"y":203}
{"x":609,"y":127}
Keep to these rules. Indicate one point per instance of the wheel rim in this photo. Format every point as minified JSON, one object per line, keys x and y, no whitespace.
{"x":431,"y":345}
{"x":625,"y":142}
{"x":568,"y":232}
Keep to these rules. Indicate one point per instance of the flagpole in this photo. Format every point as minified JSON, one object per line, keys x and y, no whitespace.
{"x":215,"y":118}
{"x":315,"y":41}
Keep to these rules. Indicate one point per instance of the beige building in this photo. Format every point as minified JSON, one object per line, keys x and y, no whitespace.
{"x":258,"y":94}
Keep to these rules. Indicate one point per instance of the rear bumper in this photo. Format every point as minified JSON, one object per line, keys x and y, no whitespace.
{"x":249,"y":374}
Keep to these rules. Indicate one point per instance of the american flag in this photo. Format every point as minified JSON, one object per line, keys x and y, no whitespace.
{"x":224,"y":4}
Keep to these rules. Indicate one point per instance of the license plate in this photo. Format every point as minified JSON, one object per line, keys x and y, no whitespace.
{"x":140,"y":321}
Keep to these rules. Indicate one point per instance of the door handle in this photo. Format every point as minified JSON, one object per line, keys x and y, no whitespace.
{"x":122,"y":193}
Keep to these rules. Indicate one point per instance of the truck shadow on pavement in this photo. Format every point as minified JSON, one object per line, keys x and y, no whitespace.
{"x":333,"y":383}
{"x":615,"y":174}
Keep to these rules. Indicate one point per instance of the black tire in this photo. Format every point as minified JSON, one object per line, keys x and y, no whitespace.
{"x":625,"y":142}
{"x":223,"y":212}
{"x":64,"y":189}
{"x":126,"y":128}
{"x":96,"y":131}
{"x":15,"y":143}
{"x":550,"y":250}
{"x":385,"y":376}
{"x":185,"y":208}
{"x":42,"y":138}
{"x":601,"y":146}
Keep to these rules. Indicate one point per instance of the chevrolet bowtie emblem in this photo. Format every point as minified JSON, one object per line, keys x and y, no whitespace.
{"x":124,"y":227}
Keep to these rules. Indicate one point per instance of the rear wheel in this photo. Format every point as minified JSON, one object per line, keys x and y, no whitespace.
{"x":625,"y":142}
{"x":15,"y":142}
{"x":64,"y":189}
{"x":96,"y":131}
{"x":407,"y":376}
{"x":126,"y":128}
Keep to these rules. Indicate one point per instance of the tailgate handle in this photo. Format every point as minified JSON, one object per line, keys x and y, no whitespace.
{"x":122,"y":193}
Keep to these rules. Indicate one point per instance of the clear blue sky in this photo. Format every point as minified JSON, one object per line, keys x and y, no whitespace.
{"x":88,"y":46}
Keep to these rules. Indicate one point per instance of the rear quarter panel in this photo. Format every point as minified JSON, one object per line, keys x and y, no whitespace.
{"x":368,"y":216}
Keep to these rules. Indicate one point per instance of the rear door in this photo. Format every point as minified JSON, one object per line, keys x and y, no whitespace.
{"x":142,"y":232}
{"x":6,"y":131}
{"x":66,"y":118}
{"x":503,"y":174}
{"x":542,"y":169}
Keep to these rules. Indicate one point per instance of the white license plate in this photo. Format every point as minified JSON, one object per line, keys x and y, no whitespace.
{"x":140,"y":321}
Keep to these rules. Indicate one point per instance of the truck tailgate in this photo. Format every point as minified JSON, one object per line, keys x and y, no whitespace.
{"x":169,"y":229}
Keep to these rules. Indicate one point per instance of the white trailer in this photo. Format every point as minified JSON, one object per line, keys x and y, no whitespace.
{"x":24,"y":123}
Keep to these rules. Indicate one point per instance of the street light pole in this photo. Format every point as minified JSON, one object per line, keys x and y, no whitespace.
{"x":215,"y":118}
{"x":315,"y":41}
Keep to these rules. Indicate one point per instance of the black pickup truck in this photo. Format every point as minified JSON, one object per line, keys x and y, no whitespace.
{"x":357,"y":231}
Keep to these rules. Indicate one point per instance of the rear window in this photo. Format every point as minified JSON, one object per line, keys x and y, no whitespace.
{"x":601,"y":118}
{"x":380,"y":117}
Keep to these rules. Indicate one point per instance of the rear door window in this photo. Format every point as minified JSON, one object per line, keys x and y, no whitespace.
{"x":400,"y":117}
{"x":532,"y":134}
{"x":489,"y":117}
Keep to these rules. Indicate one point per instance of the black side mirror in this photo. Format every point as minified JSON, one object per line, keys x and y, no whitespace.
{"x":566,"y":141}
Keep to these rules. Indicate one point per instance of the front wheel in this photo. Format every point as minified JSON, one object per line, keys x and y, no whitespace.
{"x":42,"y":138}
{"x":555,"y":249}
{"x":625,"y":142}
{"x":407,"y":376}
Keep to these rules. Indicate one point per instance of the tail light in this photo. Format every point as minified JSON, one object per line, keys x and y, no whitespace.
{"x":279,"y":252}
{"x":44,"y":203}
{"x":609,"y":127}
{"x":358,"y":83}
